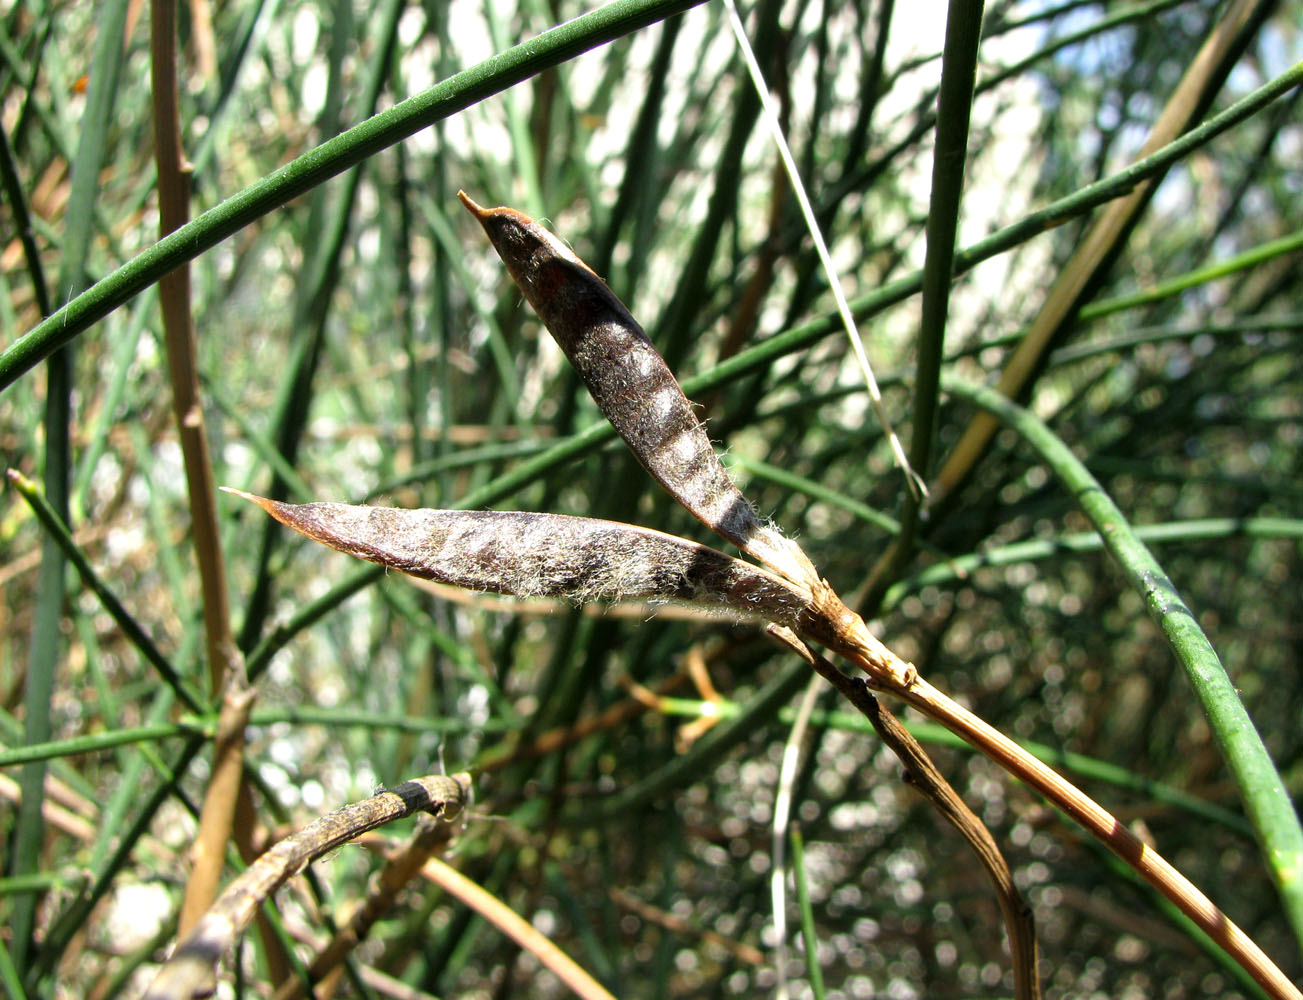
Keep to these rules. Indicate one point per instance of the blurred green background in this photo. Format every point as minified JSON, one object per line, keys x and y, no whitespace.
{"x":363,"y":342}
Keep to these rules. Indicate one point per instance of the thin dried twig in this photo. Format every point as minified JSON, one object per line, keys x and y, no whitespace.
{"x":928,"y":780}
{"x":430,"y":837}
{"x":515,"y":927}
{"x":191,"y":972}
{"x":686,"y":928}
{"x":554,"y":740}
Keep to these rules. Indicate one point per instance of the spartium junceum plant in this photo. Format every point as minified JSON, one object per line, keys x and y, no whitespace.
{"x":585,"y":559}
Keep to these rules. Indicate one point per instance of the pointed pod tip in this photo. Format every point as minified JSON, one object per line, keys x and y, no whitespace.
{"x":471,"y":206}
{"x":268,"y":505}
{"x":491,"y":218}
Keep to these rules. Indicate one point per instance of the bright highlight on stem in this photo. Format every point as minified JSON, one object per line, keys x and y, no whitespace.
{"x":916,"y":485}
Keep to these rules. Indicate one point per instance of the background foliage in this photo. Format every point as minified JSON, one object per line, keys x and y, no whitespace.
{"x":364,"y":342}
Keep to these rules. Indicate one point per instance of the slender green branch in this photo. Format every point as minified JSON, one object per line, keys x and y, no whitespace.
{"x":13,"y":190}
{"x":133,"y":630}
{"x":1199,"y":276}
{"x":809,"y":936}
{"x":44,"y":653}
{"x":73,"y":918}
{"x":1266,"y":801}
{"x":954,"y":107}
{"x":1035,"y":549}
{"x":97,"y":742}
{"x":206,"y":726}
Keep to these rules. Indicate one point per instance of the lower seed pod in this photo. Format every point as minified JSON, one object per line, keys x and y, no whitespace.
{"x":548,"y":555}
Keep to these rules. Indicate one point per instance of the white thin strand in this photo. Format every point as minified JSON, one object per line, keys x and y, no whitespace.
{"x":782,"y":812}
{"x":916,"y":485}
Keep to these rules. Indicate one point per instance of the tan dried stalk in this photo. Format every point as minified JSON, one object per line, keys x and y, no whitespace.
{"x":225,"y":664}
{"x":516,"y":927}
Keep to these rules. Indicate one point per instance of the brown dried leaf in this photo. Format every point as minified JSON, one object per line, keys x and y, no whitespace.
{"x":632,"y":385}
{"x":547,"y":555}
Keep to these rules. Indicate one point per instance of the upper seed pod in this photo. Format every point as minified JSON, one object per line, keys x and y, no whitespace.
{"x":632,"y":385}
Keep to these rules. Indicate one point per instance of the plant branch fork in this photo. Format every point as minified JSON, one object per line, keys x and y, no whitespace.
{"x":551,"y":555}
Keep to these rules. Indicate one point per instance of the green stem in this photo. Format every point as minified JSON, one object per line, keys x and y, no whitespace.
{"x":808,"y":934}
{"x":958,"y":71}
{"x":958,"y":567}
{"x":206,"y":726}
{"x":1199,"y":276}
{"x":1266,"y":801}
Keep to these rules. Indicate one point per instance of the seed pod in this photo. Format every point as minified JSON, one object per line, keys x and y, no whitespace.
{"x":547,"y":555}
{"x":632,"y":385}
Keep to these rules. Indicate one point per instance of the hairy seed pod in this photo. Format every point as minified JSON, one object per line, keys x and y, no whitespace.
{"x":632,"y":385}
{"x":547,"y":555}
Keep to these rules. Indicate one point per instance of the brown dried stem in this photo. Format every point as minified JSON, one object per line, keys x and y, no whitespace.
{"x":191,"y":972}
{"x":558,"y":739}
{"x":430,"y":837}
{"x":685,"y":928}
{"x":928,"y":780}
{"x":249,"y":843}
{"x":1110,"y":831}
{"x":179,"y":334}
{"x":179,"y":331}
